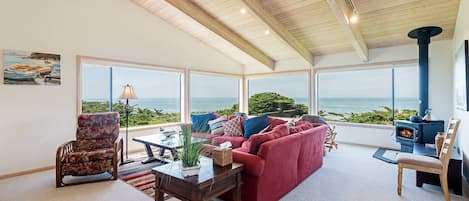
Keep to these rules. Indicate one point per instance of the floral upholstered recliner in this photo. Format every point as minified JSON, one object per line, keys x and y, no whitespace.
{"x":94,"y":151}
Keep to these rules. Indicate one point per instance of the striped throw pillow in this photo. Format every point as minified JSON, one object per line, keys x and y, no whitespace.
{"x":216,"y":125}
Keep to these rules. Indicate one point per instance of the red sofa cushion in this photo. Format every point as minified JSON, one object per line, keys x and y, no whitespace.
{"x":256,"y":140}
{"x":294,"y":129}
{"x":280,"y":131}
{"x":275,"y":122}
{"x":235,"y":141}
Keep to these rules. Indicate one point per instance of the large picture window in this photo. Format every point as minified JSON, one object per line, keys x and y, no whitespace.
{"x":158,"y":93}
{"x":210,"y":93}
{"x":375,"y":96}
{"x":281,"y":96}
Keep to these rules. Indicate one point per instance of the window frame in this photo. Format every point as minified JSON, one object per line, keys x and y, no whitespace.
{"x":357,"y":67}
{"x":82,"y":60}
{"x":308,"y":72}
{"x":215,"y":74}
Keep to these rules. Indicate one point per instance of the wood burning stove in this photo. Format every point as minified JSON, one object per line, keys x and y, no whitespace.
{"x":408,"y":133}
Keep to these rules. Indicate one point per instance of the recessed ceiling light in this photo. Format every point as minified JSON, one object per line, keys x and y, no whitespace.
{"x":243,"y":11}
{"x":354,"y":19}
{"x":267,"y":32}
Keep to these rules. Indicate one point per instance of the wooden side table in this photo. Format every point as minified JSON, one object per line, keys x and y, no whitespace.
{"x":454,"y":169}
{"x":211,"y":182}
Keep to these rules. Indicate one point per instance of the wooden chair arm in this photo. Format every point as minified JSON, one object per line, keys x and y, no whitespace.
{"x":118,"y":144}
{"x":118,"y":147}
{"x":63,"y":150}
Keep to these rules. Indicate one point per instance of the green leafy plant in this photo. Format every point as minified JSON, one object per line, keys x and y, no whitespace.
{"x":190,"y":154}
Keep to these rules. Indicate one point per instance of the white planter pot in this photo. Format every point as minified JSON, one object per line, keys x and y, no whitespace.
{"x":190,"y":171}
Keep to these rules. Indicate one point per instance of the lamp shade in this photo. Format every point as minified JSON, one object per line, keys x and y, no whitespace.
{"x":128,"y":92}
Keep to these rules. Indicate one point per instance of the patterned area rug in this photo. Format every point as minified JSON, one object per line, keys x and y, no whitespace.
{"x":140,"y":176}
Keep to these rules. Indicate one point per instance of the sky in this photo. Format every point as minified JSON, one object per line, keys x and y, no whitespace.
{"x":375,"y":83}
{"x":294,"y":86}
{"x":160,"y":84}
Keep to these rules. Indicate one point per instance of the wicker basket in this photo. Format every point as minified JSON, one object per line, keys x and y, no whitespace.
{"x":222,"y":157}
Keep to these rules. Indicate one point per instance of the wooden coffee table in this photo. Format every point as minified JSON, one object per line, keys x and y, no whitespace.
{"x":211,"y":182}
{"x":172,"y":143}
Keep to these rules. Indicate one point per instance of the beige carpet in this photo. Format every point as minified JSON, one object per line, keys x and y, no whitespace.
{"x":349,"y":174}
{"x":352,"y":174}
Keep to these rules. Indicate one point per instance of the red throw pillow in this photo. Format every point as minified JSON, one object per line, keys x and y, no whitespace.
{"x":295,"y":129}
{"x":255,"y":141}
{"x":280,"y":131}
{"x":306,"y":126}
{"x":275,"y":122}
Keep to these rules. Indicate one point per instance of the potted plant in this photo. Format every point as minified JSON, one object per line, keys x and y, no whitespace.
{"x":190,"y":154}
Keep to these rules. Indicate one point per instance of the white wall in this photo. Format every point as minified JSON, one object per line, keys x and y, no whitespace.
{"x":462,"y":33}
{"x":36,"y":119}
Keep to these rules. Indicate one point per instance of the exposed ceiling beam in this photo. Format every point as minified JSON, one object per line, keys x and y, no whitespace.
{"x":342,"y":12}
{"x":257,"y":9}
{"x":214,"y":25}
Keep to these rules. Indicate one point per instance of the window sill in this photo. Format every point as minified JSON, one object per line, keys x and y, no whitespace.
{"x":360,"y":125}
{"x":150,"y":127}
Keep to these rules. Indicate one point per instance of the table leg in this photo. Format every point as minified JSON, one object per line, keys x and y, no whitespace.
{"x":150,"y":155}
{"x":237,"y":189}
{"x":159,"y":196}
{"x":174,"y":153}
{"x":162,"y":152}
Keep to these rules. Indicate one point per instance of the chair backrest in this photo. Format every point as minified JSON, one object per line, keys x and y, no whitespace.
{"x":310,"y":118}
{"x":97,"y":130}
{"x":448,"y":143}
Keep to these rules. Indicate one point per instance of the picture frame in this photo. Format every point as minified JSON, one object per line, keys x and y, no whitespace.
{"x":461,"y":77}
{"x":31,"y":68}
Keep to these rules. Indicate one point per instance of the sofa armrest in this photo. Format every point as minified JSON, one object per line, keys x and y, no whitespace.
{"x":253,"y":165}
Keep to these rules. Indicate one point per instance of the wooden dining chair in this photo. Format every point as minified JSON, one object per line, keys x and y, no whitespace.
{"x":430,"y":164}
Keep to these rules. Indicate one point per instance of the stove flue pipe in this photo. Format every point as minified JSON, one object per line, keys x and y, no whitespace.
{"x":423,"y":35}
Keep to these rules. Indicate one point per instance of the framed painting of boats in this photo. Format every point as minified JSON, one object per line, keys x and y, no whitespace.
{"x":30,"y":68}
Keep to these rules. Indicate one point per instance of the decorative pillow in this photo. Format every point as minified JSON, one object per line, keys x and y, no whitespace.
{"x":294,"y":129}
{"x":200,"y":122}
{"x":216,"y":126}
{"x":306,"y":126}
{"x":255,"y":125}
{"x":274,"y":122}
{"x":256,"y":140}
{"x":233,"y":127}
{"x":279,"y":131}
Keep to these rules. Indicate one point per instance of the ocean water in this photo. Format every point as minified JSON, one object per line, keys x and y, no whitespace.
{"x":339,"y":105}
{"x":357,"y":105}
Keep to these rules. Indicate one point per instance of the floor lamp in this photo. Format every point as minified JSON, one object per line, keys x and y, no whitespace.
{"x":127,"y":93}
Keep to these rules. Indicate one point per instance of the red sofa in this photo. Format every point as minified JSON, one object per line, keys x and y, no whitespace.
{"x":280,"y":164}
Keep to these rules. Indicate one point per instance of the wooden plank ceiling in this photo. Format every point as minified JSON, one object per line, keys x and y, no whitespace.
{"x":259,"y":33}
